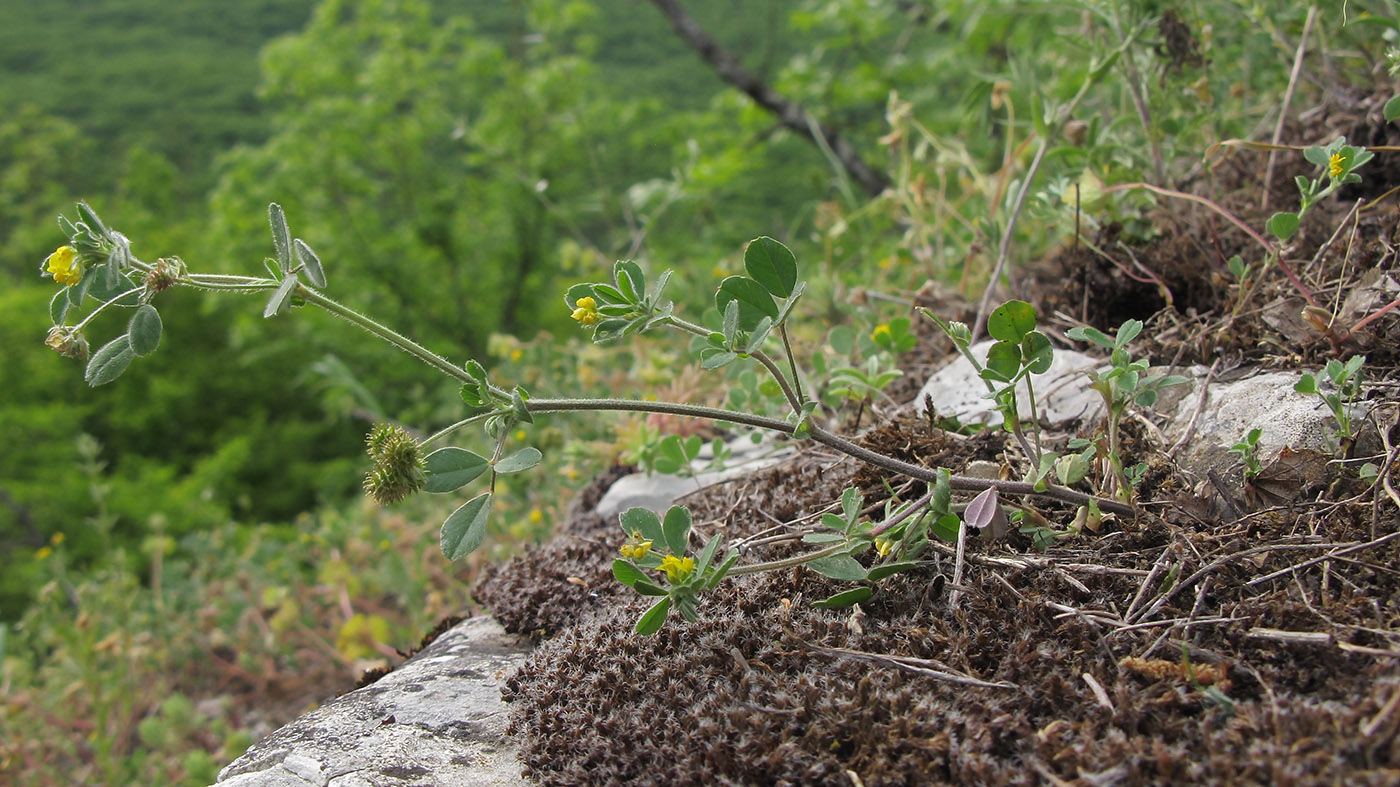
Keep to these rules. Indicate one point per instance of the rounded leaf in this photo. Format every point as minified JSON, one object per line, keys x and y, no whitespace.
{"x":144,"y":330}
{"x":644,"y":521}
{"x":452,"y":468}
{"x":754,"y":301}
{"x":108,"y":363}
{"x":842,"y":567}
{"x":465,"y":528}
{"x":1004,"y":360}
{"x":676,"y":527}
{"x":524,"y":459}
{"x":1037,"y":352}
{"x":772,"y":265}
{"x":1011,"y":321}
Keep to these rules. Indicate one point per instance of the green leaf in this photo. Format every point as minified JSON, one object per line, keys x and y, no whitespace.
{"x":626,"y":573}
{"x":58,"y":307}
{"x":845,"y":598}
{"x":465,"y":528}
{"x":1003,"y":361}
{"x":644,"y":521}
{"x":791,"y":301}
{"x":650,"y":621}
{"x":772,"y":265}
{"x":707,"y":553}
{"x":108,"y":363}
{"x":452,"y":468}
{"x":101,"y":288}
{"x":754,"y":301}
{"x":1037,"y":352}
{"x":851,"y":500}
{"x":144,"y":330}
{"x":1282,"y":225}
{"x":281,"y":298}
{"x":518,"y":408}
{"x":729,"y":326}
{"x":1087,"y":334}
{"x":575,"y":292}
{"x":648,"y":588}
{"x":842,"y":339}
{"x":1306,"y":385}
{"x":89,"y":217}
{"x":759,"y":335}
{"x":1128,"y":331}
{"x":946,"y":527}
{"x":1011,"y":321}
{"x":842,"y":567}
{"x":1316,"y":155}
{"x":676,"y":527}
{"x":630,"y":280}
{"x":729,"y":561}
{"x":311,"y":264}
{"x":823,"y":538}
{"x":281,"y":242}
{"x":524,"y":459}
{"x":879,"y":572}
{"x":941,"y":501}
{"x":711,"y":358}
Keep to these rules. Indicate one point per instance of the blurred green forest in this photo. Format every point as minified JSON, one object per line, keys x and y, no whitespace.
{"x":456,"y":165}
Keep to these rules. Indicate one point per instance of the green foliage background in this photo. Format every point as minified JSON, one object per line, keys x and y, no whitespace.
{"x":456,"y":164}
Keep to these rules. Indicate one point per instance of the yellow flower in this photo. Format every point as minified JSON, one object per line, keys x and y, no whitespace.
{"x":517,"y":354}
{"x":677,"y":568}
{"x":63,"y":265}
{"x":56,"y":539}
{"x":1334,"y":164}
{"x":536,"y":516}
{"x":884,"y":546}
{"x":881,"y":333}
{"x":585,"y":311}
{"x":42,"y":553}
{"x":636,"y":548}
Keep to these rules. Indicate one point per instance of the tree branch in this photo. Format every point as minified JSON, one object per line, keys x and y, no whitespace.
{"x":791,"y":116}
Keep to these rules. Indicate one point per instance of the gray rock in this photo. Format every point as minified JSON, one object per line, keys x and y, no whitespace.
{"x":436,"y":720}
{"x":658,"y":492}
{"x":1062,"y":392}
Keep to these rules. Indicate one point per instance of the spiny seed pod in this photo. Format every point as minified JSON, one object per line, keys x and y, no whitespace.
{"x":164,"y":274}
{"x":398,"y":464}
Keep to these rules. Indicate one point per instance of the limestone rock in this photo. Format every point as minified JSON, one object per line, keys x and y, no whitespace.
{"x":436,"y":720}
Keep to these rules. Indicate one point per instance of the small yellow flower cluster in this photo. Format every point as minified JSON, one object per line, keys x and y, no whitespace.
{"x":585,"y":311}
{"x":677,"y":568}
{"x":1334,"y":164}
{"x":881,"y":332}
{"x":884,"y":546}
{"x":63,"y":266}
{"x":635,"y":548}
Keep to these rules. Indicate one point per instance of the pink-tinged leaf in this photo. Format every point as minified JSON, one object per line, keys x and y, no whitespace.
{"x":982,"y":510}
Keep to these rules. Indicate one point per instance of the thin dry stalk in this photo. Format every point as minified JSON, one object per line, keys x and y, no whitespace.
{"x":1287,"y":100}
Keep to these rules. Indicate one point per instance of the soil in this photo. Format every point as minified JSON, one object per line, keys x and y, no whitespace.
{"x":1178,"y":647}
